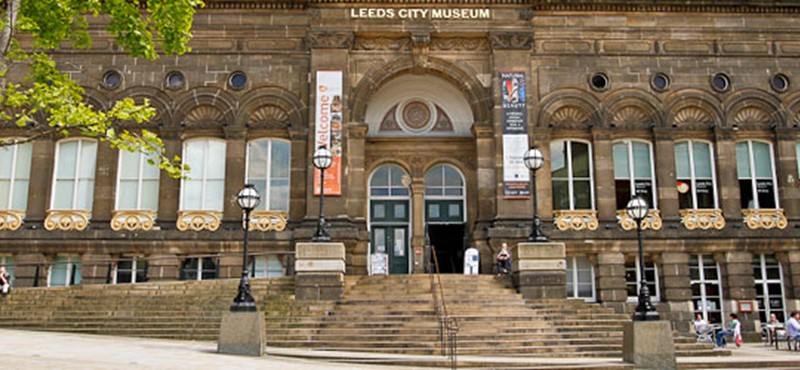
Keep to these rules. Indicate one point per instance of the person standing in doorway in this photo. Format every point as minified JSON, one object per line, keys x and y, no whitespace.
{"x":503,"y":260}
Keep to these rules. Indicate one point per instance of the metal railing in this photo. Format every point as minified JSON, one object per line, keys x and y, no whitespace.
{"x":448,"y":325}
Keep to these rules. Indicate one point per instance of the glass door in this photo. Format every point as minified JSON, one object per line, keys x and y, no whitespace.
{"x":392,"y":240}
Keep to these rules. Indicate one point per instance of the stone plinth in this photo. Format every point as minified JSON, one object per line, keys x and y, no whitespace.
{"x":242,"y":333}
{"x":320,"y":271}
{"x":539,"y":270}
{"x":648,"y":345}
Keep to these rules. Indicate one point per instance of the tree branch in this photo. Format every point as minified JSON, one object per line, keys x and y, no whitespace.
{"x":28,"y":139}
{"x":11,"y":20}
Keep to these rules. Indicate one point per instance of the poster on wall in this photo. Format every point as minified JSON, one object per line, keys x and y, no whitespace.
{"x":515,"y":134}
{"x":328,"y":128}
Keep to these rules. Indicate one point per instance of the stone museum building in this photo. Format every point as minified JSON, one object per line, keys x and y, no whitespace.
{"x":428,"y":107}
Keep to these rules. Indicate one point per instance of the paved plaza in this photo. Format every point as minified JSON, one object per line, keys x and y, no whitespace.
{"x":56,"y":351}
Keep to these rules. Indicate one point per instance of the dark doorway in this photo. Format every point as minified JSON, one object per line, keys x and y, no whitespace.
{"x":449,"y":243}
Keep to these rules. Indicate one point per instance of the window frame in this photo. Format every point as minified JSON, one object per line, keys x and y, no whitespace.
{"x":570,"y":177}
{"x":693,"y":173}
{"x":754,"y":178}
{"x":764,"y":282}
{"x":76,"y":178}
{"x":135,"y":261}
{"x":72,"y":262}
{"x":198,"y":268}
{"x":572,"y":275}
{"x":9,"y":263}
{"x":139,"y":183}
{"x":13,"y":179}
{"x":654,"y":296}
{"x":702,"y":281}
{"x":631,"y":166}
{"x":267,"y":194}
{"x":204,"y":180}
{"x":462,"y":199}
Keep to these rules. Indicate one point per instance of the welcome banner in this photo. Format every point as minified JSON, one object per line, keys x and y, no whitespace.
{"x":328,"y":128}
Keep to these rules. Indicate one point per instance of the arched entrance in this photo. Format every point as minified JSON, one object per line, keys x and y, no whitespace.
{"x":445,"y":216}
{"x":389,"y":216}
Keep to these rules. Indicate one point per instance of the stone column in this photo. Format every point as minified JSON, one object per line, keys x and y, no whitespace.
{"x":677,"y":289}
{"x":105,"y":183}
{"x":605,"y":188}
{"x":356,"y":180}
{"x":792,"y":274}
{"x":297,"y":192}
{"x":95,"y":269}
{"x":539,"y":270}
{"x":42,"y":159}
{"x":235,"y":157}
{"x":163,"y":267}
{"x":741,"y":287}
{"x":786,"y":163}
{"x":611,"y":288}
{"x":664,"y":159}
{"x":487,"y":180}
{"x":418,"y":212}
{"x":169,"y":189}
{"x":320,"y":271}
{"x":25,"y":269}
{"x":727,"y":179}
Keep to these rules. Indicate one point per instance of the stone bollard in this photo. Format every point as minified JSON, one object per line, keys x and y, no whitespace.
{"x":649,"y":345}
{"x":539,"y":270}
{"x":320,"y":271}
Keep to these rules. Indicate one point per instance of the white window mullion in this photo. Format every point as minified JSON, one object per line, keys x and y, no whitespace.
{"x":753,"y":175}
{"x":631,"y":167}
{"x":140,"y":183}
{"x":713,"y":179}
{"x":77,"y":175}
{"x":203,"y":177}
{"x":268,"y":185}
{"x":12,"y":177}
{"x":692,"y":174}
{"x":773,"y":177}
{"x":570,"y":179}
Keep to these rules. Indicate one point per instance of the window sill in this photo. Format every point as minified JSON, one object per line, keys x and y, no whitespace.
{"x":133,"y":220}
{"x":198,"y":220}
{"x":576,"y":220}
{"x":703,"y":219}
{"x":67,"y":220}
{"x":11,"y":219}
{"x":652,"y":221}
{"x":765,"y":219}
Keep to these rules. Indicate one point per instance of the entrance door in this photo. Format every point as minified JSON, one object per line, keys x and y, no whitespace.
{"x":448,"y":240}
{"x":392,"y":240}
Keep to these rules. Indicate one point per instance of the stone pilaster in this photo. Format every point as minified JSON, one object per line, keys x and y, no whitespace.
{"x":605,"y":188}
{"x":169,"y":189}
{"x":664,"y":159}
{"x":741,"y":287}
{"x":786,"y":169}
{"x":539,"y":270}
{"x":42,"y":158}
{"x":235,"y":153}
{"x":163,"y":267}
{"x":95,"y":269}
{"x":676,"y":285}
{"x":320,"y":271}
{"x":487,"y":179}
{"x":356,"y":179}
{"x":298,"y":180}
{"x":792,"y":275}
{"x":611,"y":289}
{"x":727,"y":179}
{"x":418,"y":214}
{"x":105,"y":182}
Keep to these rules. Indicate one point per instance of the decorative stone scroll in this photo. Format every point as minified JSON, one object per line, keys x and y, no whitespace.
{"x":67,"y":220}
{"x":11,"y":219}
{"x":329,"y":40}
{"x":268,"y":220}
{"x":511,"y":41}
{"x":765,"y":219}
{"x":652,"y":221}
{"x":133,"y":220}
{"x":576,"y":220}
{"x":198,"y":220}
{"x":703,"y":219}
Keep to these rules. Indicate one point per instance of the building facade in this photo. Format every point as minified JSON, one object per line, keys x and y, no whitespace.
{"x":428,"y":107}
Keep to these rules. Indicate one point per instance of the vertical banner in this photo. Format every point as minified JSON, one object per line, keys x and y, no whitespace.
{"x":328,"y":128}
{"x":515,"y":135}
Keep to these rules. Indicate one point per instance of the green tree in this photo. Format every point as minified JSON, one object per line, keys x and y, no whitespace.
{"x":144,"y":29}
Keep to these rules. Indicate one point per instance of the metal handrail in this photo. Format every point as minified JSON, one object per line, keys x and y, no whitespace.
{"x":448,"y":328}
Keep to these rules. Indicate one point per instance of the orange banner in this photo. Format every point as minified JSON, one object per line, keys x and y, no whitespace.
{"x":328,"y":123}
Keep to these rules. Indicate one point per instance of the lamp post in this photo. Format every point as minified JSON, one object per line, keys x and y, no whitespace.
{"x":637,"y":210}
{"x":248,"y":199}
{"x":322,"y":160}
{"x":534,"y":160}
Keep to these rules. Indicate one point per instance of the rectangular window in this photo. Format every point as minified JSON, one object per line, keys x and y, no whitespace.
{"x":65,"y":271}
{"x":755,"y":169}
{"x":73,"y":183}
{"x":580,"y":279}
{"x":268,"y":168}
{"x":633,"y":172}
{"x":633,"y":279}
{"x":571,"y":170}
{"x":15,"y":170}
{"x":198,"y":269}
{"x":131,"y":270}
{"x":268,"y":266}
{"x":769,"y":287}
{"x":137,"y":182}
{"x":204,"y":189}
{"x":696,"y":179}
{"x":706,"y":288}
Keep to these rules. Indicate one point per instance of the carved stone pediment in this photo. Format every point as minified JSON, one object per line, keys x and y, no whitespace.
{"x":329,"y":40}
{"x":511,"y":41}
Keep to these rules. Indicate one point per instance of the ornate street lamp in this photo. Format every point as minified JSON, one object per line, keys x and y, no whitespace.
{"x":323,"y":159}
{"x":637,"y":210}
{"x":534,"y":160}
{"x":248,"y":199}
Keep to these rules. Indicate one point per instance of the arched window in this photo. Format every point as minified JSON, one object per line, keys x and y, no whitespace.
{"x":387,"y":181}
{"x":756,"y":169}
{"x":696,"y":176}
{"x":571,"y":169}
{"x":204,"y":189}
{"x":15,"y":170}
{"x":269,"y":169}
{"x":633,"y":172}
{"x":137,"y":182}
{"x":73,"y":183}
{"x":444,"y":181}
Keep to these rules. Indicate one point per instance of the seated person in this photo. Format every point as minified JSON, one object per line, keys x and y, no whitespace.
{"x":734,"y":330}
{"x":503,"y":260}
{"x":702,"y":329}
{"x":772,"y":325}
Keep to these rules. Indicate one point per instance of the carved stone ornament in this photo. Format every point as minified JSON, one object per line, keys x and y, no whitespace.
{"x":420,"y":50}
{"x":11,"y":219}
{"x":752,"y":118}
{"x":268,"y":116}
{"x":382,"y":43}
{"x":576,"y":220}
{"x":651,"y":222}
{"x":703,"y":219}
{"x":204,"y":116}
{"x":630,"y":117}
{"x":198,"y":220}
{"x":570,"y":117}
{"x":133,"y":220}
{"x":459,"y":44}
{"x":268,"y":220}
{"x":693,"y":118}
{"x":329,"y":40}
{"x":67,"y":220}
{"x":511,"y":41}
{"x":765,"y":219}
